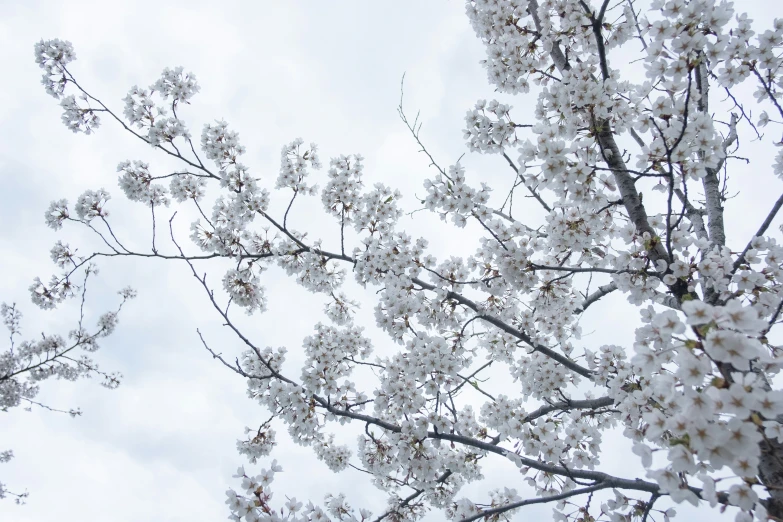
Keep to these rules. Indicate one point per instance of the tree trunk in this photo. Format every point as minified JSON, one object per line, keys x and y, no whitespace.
{"x":771,"y":473}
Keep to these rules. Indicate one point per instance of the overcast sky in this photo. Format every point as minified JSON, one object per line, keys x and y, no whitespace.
{"x":162,"y":446}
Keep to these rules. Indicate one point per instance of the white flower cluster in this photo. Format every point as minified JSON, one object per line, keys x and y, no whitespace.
{"x":48,"y":297}
{"x":52,"y":56}
{"x":342,"y":193}
{"x":293,"y":167}
{"x":244,"y":289}
{"x":221,"y":144}
{"x":56,"y":214}
{"x":313,"y":271}
{"x":187,"y":186}
{"x":335,"y":456}
{"x":340,"y":309}
{"x":451,"y":196}
{"x":136,"y":183}
{"x":141,"y":111}
{"x":330,"y":356}
{"x":717,"y":417}
{"x":92,"y":204}
{"x":577,"y":228}
{"x":378,"y":211}
{"x":260,"y":444}
{"x":226,"y":228}
{"x":79,"y":119}
{"x":254,"y":505}
{"x":177,"y":85}
{"x":62,"y":255}
{"x":139,"y":107}
{"x":164,"y":130}
{"x":489,"y":135}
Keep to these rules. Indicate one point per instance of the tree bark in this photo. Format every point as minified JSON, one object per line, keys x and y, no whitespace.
{"x":771,"y":474}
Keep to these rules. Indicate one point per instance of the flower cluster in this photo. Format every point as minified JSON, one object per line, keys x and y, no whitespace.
{"x":141,"y":111}
{"x":56,"y":214}
{"x":92,"y":204}
{"x":77,"y":118}
{"x":450,"y":195}
{"x":341,"y":195}
{"x":136,"y":183}
{"x":259,"y":443}
{"x":331,"y":355}
{"x":293,"y":167}
{"x":489,"y":135}
{"x":62,"y":255}
{"x":254,"y":505}
{"x":221,"y":144}
{"x":244,"y":289}
{"x":177,"y":85}
{"x":187,"y":186}
{"x":52,"y":56}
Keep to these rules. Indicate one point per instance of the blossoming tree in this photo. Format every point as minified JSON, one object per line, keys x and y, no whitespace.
{"x":630,"y":175}
{"x":25,"y":366}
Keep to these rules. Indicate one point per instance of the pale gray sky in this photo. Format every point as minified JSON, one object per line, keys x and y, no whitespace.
{"x":162,"y":446}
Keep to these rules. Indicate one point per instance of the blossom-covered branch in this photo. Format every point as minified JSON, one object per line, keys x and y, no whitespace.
{"x":693,"y":390}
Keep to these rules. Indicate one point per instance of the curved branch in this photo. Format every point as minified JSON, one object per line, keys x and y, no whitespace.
{"x":541,"y":500}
